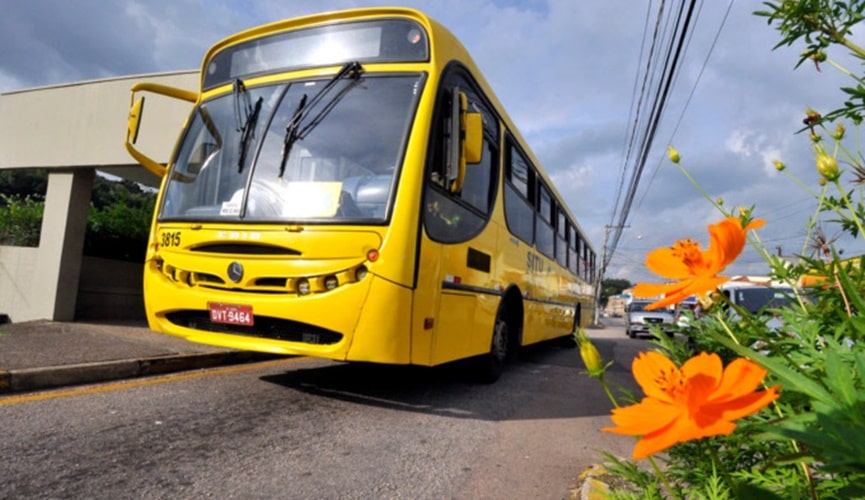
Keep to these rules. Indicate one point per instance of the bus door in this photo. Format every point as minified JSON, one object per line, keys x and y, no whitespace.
{"x":459,"y":243}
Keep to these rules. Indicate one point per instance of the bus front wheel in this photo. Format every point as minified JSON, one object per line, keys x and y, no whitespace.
{"x":492,"y":364}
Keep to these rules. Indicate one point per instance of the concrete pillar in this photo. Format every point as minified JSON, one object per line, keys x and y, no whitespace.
{"x":61,"y":244}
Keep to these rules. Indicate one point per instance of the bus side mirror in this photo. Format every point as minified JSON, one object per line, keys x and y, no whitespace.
{"x":466,"y":144}
{"x":474,"y":137}
{"x":133,"y":124}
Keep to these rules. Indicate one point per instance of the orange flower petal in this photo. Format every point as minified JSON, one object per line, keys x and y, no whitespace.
{"x":696,"y":271}
{"x":676,"y":292}
{"x":653,"y":443}
{"x":652,"y":370}
{"x":679,"y":431}
{"x":663,"y":262}
{"x":706,"y":424}
{"x":728,"y":240}
{"x":740,"y":377}
{"x":754,"y":224}
{"x":744,"y":405}
{"x":704,"y":363}
{"x":648,"y":416}
{"x":699,"y":400}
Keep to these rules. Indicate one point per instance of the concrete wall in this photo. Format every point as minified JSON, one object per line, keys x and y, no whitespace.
{"x":17,"y":268}
{"x":74,"y":130}
{"x":110,"y":289}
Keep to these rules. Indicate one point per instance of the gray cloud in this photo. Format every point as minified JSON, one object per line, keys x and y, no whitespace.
{"x":565,"y":72}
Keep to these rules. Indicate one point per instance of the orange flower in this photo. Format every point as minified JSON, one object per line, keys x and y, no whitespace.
{"x":696,"y":270}
{"x":699,"y":400}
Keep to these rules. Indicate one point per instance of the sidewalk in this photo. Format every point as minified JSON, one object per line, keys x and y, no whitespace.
{"x":38,"y":355}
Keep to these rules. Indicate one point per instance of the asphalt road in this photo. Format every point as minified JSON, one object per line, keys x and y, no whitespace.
{"x":306,"y":428}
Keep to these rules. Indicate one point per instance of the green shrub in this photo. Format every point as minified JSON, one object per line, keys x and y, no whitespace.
{"x":20,"y":220}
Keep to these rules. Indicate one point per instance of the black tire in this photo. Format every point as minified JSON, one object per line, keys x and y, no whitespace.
{"x":631,"y":334}
{"x":491,"y":365}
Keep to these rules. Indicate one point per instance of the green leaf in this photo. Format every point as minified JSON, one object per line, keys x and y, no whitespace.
{"x":849,"y":288}
{"x":791,"y":380}
{"x":839,"y":376}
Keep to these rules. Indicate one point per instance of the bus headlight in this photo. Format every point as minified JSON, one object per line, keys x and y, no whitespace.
{"x":330,"y":282}
{"x":360,"y":273}
{"x":303,"y":286}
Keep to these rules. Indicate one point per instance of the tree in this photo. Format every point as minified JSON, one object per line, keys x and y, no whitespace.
{"x":118,"y":222}
{"x":18,"y":184}
{"x":611,"y":287}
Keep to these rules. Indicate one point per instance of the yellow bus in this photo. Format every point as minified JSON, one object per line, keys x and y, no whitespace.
{"x":348,"y":187}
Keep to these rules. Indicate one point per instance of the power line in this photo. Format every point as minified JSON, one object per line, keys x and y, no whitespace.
{"x":658,"y":86}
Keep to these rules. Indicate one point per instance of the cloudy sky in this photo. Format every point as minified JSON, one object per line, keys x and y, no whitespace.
{"x":567,"y":72}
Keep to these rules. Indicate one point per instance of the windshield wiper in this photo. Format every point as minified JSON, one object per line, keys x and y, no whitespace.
{"x":250,"y":114}
{"x":293,"y":132}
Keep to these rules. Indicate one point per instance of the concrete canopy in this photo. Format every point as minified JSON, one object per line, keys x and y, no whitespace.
{"x":72,"y":130}
{"x":83,"y":124}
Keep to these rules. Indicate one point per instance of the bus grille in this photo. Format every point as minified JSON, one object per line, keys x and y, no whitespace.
{"x":265,"y":327}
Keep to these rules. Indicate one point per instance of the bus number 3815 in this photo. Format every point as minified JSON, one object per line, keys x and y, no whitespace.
{"x":170,"y":238}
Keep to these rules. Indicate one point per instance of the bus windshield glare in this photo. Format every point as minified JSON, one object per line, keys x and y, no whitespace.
{"x":238,"y":162}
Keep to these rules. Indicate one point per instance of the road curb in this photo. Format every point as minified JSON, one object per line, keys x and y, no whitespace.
{"x":31,"y":379}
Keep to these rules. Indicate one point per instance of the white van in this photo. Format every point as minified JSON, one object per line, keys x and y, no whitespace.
{"x":755,"y":296}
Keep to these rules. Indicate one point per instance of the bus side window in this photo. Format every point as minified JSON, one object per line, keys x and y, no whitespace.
{"x":544,"y":224}
{"x":561,"y":237}
{"x":457,"y":216}
{"x":519,"y":211}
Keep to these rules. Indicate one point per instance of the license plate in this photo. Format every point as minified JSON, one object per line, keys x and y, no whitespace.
{"x":233,"y":314}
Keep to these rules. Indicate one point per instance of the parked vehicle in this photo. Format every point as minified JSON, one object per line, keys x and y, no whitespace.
{"x":639,"y":321}
{"x":756,"y":297}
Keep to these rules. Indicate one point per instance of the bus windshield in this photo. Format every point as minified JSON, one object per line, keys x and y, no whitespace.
{"x":277,"y":154}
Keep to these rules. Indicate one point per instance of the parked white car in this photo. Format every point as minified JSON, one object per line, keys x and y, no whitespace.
{"x":639,"y":321}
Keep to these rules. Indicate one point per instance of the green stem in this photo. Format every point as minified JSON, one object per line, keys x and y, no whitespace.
{"x":844,"y":70}
{"x":663,"y":478}
{"x":802,"y":185}
{"x":758,"y":246}
{"x":811,"y":227}
{"x":700,"y":189}
{"x":852,"y":46}
{"x":608,"y":391}
{"x":850,"y":207}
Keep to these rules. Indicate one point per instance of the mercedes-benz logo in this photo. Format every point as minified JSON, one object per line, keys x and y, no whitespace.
{"x":235,"y":271}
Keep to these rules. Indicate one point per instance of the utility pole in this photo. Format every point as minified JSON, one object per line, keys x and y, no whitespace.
{"x":603,"y":269}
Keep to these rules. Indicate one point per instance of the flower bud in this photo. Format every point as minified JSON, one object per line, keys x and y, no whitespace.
{"x":590,"y":355}
{"x":811,"y":117}
{"x":839,"y":132}
{"x":673,"y":154}
{"x":706,"y":300}
{"x":592,"y":359}
{"x":779,"y":165}
{"x":827,"y":165}
{"x":720,"y":201}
